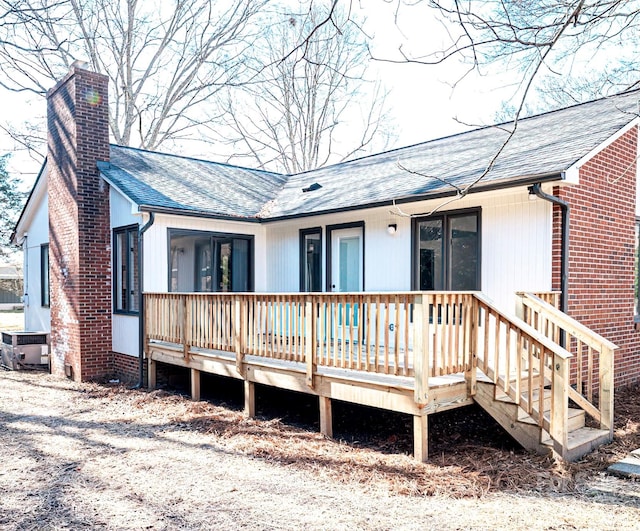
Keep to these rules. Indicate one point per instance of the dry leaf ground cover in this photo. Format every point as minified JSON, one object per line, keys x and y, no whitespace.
{"x":89,"y":456}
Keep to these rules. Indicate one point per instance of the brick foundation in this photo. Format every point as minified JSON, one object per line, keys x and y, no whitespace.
{"x":126,"y":368}
{"x":79,"y":229}
{"x":602,"y":250}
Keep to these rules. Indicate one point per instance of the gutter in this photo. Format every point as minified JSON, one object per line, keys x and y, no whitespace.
{"x":564,"y":236}
{"x":141,"y":315}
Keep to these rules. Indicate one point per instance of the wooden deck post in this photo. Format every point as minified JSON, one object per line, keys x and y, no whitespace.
{"x":471,"y":355}
{"x":606,"y":388}
{"x":421,"y":437}
{"x":151,"y":370}
{"x":420,"y":351}
{"x":309,"y":341}
{"x":249,"y":399}
{"x":195,"y":385}
{"x":185,"y":327}
{"x":560,"y":404}
{"x":326,"y":419}
{"x":238,"y":331}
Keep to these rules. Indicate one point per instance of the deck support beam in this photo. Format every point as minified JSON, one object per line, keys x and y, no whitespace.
{"x":421,"y":437}
{"x":195,"y":385}
{"x":326,"y":418}
{"x":249,"y":399}
{"x":151,"y":374}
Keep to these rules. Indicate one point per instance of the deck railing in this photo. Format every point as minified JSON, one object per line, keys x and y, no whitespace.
{"x":592,"y":361}
{"x":413,"y":334}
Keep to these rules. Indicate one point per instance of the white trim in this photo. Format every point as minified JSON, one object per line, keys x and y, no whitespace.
{"x":39,"y":193}
{"x":135,"y":207}
{"x":572,"y":174}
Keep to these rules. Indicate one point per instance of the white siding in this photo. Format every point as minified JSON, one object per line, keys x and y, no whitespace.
{"x":36,"y":316}
{"x":124,"y":328}
{"x":515,"y":245}
{"x":121,"y":210}
{"x":124,"y":334}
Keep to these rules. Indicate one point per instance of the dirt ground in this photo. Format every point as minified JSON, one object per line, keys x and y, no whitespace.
{"x":89,"y":456}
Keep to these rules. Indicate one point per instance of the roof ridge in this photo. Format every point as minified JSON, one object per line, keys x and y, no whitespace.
{"x":196,"y":159}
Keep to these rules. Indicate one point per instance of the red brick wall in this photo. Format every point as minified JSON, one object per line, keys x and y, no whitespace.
{"x":79,"y":232}
{"x":601,"y":253}
{"x":126,"y":368}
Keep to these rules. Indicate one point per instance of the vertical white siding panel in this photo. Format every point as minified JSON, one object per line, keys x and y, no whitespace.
{"x":124,"y":329}
{"x":515,"y":245}
{"x":36,"y":316}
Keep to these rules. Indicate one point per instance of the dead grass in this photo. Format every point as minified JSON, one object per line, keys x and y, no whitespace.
{"x":88,"y":455}
{"x":11,"y":320}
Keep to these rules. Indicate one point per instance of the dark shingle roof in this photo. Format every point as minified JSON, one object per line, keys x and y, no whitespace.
{"x":543,"y":145}
{"x":179,"y":183}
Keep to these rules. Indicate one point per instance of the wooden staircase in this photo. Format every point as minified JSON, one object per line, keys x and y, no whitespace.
{"x":531,"y":381}
{"x":526,"y":430}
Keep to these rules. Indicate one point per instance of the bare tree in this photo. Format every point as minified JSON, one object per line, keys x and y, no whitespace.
{"x":312,"y":103}
{"x":164,"y":60}
{"x":542,"y":40}
{"x":550,"y":40}
{"x":12,"y":200}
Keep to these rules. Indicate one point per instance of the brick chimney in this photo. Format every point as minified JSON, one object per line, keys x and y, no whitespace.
{"x":79,"y":230}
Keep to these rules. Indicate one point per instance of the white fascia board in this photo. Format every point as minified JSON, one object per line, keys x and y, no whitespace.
{"x":572,"y":174}
{"x":39,"y":193}
{"x":135,"y":208}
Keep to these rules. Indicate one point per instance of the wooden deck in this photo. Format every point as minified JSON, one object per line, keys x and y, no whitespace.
{"x":415,"y":353}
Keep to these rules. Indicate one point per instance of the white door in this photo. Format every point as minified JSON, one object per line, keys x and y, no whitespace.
{"x":346,"y":260}
{"x":347,"y":275}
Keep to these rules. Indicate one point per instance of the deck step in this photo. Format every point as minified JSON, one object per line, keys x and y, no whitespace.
{"x":525,"y":429}
{"x":505,"y":413}
{"x":576,"y":418}
{"x":582,"y":441}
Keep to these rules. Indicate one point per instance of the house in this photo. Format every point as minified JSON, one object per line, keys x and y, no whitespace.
{"x":10,"y":287}
{"x":420,"y":251}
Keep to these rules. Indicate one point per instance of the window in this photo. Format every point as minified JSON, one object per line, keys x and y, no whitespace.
{"x":447,"y":252}
{"x":205,"y":261}
{"x":45,"y":289}
{"x":125,"y":271}
{"x":311,"y":260}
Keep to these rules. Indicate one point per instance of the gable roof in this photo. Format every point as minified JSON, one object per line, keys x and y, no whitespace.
{"x":543,"y":148}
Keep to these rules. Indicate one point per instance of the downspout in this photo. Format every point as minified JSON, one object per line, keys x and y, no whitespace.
{"x":564,"y":236}
{"x":141,"y":232}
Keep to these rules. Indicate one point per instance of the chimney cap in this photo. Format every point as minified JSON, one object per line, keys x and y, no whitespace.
{"x":80,"y":63}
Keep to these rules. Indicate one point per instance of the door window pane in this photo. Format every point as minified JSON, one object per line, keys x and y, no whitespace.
{"x":204,"y":276}
{"x":223,"y":263}
{"x":240,"y":265}
{"x":349,"y":264}
{"x":430,"y":255}
{"x":463,"y":264}
{"x":205,"y":262}
{"x":312,"y":261}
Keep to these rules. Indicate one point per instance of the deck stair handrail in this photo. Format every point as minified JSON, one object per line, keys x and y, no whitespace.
{"x":593,"y":357}
{"x":527,"y":367}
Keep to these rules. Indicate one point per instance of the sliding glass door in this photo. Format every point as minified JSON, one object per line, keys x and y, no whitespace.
{"x":200,"y":261}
